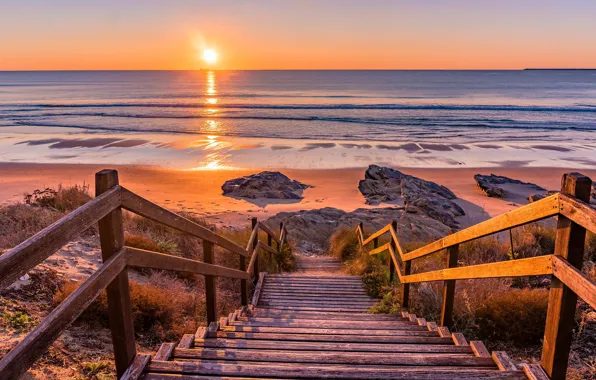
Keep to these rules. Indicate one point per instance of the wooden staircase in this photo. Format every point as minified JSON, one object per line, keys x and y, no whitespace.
{"x":305,"y":326}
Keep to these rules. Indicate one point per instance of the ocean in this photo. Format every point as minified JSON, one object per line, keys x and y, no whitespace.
{"x":454,"y":107}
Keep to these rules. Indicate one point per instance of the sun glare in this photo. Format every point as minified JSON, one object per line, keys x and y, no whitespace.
{"x":209,"y":56}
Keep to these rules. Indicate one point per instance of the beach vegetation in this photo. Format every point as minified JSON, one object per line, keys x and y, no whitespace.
{"x":62,"y":199}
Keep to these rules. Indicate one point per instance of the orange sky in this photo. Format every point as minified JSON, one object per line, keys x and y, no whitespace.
{"x":426,"y":34}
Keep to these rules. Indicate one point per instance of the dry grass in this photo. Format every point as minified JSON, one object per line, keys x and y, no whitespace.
{"x":163,"y":309}
{"x":19,"y":222}
{"x":61,"y":200}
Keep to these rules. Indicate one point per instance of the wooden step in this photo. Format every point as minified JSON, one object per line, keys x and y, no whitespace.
{"x":318,"y":315}
{"x":309,"y":308}
{"x":156,"y":369}
{"x":370,"y":358}
{"x":337,"y":338}
{"x":331,"y":346}
{"x":362,"y":325}
{"x":327,"y":331}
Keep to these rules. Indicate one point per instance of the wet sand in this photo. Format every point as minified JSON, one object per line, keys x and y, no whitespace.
{"x":199,"y":191}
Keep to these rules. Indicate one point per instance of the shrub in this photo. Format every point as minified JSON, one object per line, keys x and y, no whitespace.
{"x":19,"y":222}
{"x":590,"y":248}
{"x":517,"y":315}
{"x":344,"y":244}
{"x":63,"y":199}
{"x":18,"y":320}
{"x":389,"y":304}
{"x":146,"y":243}
{"x":374,"y":283}
{"x":162,"y":309}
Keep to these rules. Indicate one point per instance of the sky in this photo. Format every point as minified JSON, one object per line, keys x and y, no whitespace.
{"x":297,"y":34}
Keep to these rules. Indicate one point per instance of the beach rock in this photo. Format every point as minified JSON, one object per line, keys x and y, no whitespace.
{"x":272,"y":185}
{"x":312,"y":229}
{"x":381,"y":184}
{"x":498,"y":186}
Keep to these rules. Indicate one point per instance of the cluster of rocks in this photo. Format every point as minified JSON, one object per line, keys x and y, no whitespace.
{"x":381,"y":184}
{"x":496,"y":185}
{"x":312,"y":229}
{"x":270,"y":185}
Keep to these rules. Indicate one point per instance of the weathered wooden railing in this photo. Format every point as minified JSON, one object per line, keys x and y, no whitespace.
{"x":106,"y":209}
{"x":575,"y":216}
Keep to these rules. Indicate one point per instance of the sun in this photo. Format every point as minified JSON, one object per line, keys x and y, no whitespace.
{"x":209,"y":56}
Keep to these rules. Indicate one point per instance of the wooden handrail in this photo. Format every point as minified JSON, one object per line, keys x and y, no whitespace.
{"x":112,"y":276}
{"x":141,"y":206}
{"x":149,"y":259}
{"x":267,"y":230}
{"x":22,"y":258}
{"x":23,"y":355}
{"x":575,"y":216}
{"x":575,"y":280}
{"x":578,"y":211}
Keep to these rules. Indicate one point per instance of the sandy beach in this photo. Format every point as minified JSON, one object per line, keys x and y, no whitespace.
{"x":200,"y":191}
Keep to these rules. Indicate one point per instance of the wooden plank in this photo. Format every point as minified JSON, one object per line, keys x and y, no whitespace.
{"x":560,"y":317}
{"x":362,"y":325}
{"x":532,"y":212}
{"x":314,"y":315}
{"x":300,"y":371}
{"x":23,"y":355}
{"x":268,"y":248}
{"x":421,"y":321}
{"x":210,"y":285}
{"x":17,"y":261}
{"x":320,"y":308}
{"x":243,"y":282}
{"x":336,"y":338}
{"x":136,"y":368}
{"x":165,"y":351}
{"x":269,"y":232}
{"x":449,"y":289}
{"x":254,"y":236}
{"x":148,"y":259}
{"x":479,"y":349}
{"x":252,"y":264}
{"x":370,"y":358}
{"x":332,"y":346}
{"x":432,"y":326}
{"x":380,"y":249}
{"x":533,"y":266}
{"x":578,"y":211}
{"x":111,"y":239}
{"x":187,"y":341}
{"x":257,"y":293}
{"x":326,"y":331}
{"x":575,"y":280}
{"x":376,"y":234}
{"x":503,"y":361}
{"x":201,"y":333}
{"x":212,"y":330}
{"x":535,"y":372}
{"x":138,"y":205}
{"x":459,"y":339}
{"x":444,"y":332}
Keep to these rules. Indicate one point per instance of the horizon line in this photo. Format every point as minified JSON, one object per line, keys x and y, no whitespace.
{"x":206,"y":69}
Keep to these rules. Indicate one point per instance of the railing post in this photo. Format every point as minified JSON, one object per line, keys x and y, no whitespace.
{"x":243,"y":284}
{"x":111,"y":237}
{"x":449,"y":289}
{"x":569,"y":244}
{"x":254,"y":222}
{"x":210,"y":284}
{"x":391,"y":264}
